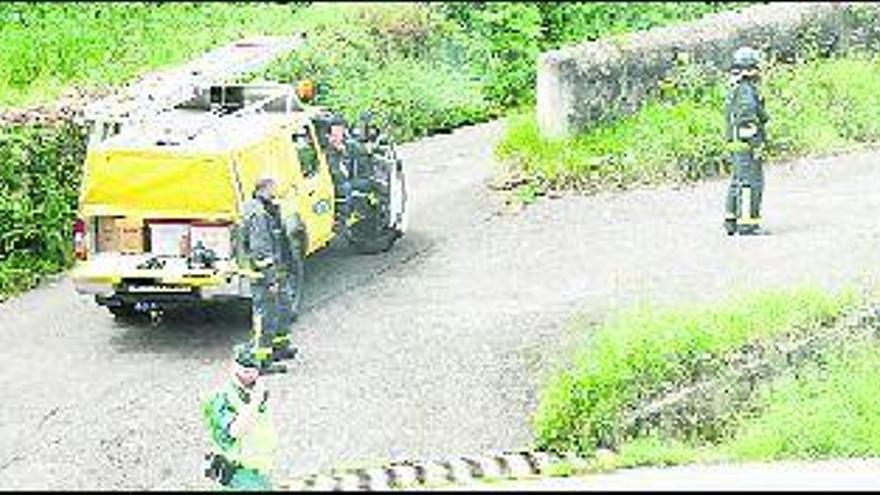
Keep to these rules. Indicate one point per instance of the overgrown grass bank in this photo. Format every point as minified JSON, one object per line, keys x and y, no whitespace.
{"x":638,"y":353}
{"x":828,"y":410}
{"x":820,"y":106}
{"x":408,"y":63}
{"x":824,"y":410}
{"x":426,"y":67}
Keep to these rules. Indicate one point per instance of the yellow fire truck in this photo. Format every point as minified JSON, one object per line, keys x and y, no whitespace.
{"x":161,"y":198}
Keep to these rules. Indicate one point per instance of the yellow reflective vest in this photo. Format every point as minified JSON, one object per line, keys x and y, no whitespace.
{"x":256,"y":447}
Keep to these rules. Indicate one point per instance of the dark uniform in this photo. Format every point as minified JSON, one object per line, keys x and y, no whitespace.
{"x":350,"y":169}
{"x":268,"y":250}
{"x":746,"y":120}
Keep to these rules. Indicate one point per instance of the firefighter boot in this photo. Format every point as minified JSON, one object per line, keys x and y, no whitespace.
{"x":730,"y":226}
{"x":282,"y":350}
{"x":266,"y":362}
{"x":746,"y":222}
{"x":749,"y":222}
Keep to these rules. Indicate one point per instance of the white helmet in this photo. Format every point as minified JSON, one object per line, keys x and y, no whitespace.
{"x":746,"y":57}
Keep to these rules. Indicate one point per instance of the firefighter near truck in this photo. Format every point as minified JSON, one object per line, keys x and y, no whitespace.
{"x":162,"y":201}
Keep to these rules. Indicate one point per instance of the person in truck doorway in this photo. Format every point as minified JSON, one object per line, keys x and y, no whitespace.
{"x":267,"y":252}
{"x":746,"y":119}
{"x":339,"y":155}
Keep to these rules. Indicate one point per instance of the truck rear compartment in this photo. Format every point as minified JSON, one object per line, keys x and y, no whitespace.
{"x":161,"y":260}
{"x":158,"y":237}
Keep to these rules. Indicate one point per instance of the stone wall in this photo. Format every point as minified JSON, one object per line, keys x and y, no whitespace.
{"x":585,"y":84}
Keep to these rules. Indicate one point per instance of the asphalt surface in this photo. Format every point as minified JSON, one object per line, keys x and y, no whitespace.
{"x":434,"y":349}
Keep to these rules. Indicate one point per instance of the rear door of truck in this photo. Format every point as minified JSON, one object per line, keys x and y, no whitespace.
{"x":142,"y":212}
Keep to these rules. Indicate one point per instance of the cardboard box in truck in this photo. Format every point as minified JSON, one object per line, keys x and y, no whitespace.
{"x":107,"y":240}
{"x":130,"y":232}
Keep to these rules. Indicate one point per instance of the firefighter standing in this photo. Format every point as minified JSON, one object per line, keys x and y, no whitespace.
{"x":268,"y":251}
{"x":241,"y":428}
{"x":746,"y":119}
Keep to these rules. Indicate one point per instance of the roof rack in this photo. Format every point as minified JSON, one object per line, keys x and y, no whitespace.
{"x":162,"y":91}
{"x":208,"y":111}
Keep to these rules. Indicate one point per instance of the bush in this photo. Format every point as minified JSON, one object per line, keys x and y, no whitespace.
{"x":405,"y":62}
{"x":510,"y":39}
{"x":510,"y":35}
{"x":39,"y":180}
{"x":638,"y":353}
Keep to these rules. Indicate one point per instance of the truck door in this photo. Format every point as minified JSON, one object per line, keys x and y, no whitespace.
{"x":316,"y":191}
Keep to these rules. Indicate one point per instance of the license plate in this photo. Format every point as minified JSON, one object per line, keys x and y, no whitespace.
{"x":159,"y":288}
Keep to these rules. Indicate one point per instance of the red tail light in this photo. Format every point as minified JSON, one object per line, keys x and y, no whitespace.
{"x":79,"y":239}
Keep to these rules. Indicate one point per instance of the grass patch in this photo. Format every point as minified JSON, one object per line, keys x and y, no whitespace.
{"x":658,"y":450}
{"x":827,"y":410}
{"x":824,"y":105}
{"x":823,"y":410}
{"x":640,"y":352}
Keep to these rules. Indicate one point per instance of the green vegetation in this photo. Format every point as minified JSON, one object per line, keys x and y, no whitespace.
{"x":509,"y":35}
{"x":638,"y":353}
{"x":825,"y":409}
{"x":48,"y":47}
{"x":428,"y":67}
{"x":824,"y":105}
{"x":406,"y":62}
{"x":828,"y":410}
{"x":39,"y":177}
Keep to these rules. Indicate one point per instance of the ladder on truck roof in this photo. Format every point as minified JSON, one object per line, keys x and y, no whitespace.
{"x":162,"y":90}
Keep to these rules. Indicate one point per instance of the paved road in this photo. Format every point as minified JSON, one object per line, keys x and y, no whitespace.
{"x":434,"y":349}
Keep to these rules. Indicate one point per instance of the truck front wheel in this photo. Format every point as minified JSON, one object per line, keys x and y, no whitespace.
{"x":383,"y":221}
